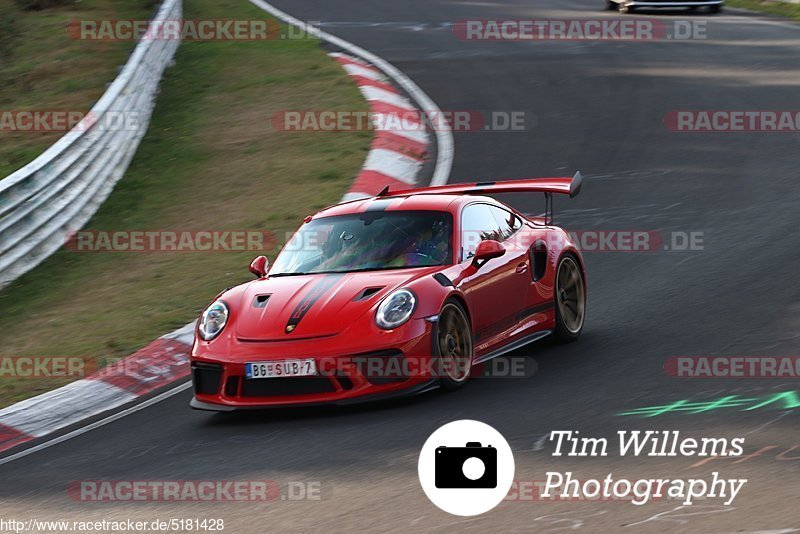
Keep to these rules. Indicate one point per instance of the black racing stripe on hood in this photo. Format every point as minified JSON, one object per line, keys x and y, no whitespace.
{"x":313,"y":295}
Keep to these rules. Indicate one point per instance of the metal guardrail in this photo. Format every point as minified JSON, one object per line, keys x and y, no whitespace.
{"x":47,"y":200}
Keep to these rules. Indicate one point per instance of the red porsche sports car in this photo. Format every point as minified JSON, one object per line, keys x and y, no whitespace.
{"x":392,"y":295}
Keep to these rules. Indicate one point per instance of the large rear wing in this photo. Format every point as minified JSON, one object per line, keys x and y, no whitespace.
{"x":564,"y":186}
{"x":548,"y":186}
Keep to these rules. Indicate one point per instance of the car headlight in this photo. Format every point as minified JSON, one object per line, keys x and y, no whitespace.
{"x":396,"y":309}
{"x":213,"y":320}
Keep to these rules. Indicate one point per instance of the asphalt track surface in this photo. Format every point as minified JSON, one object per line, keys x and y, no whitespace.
{"x":599,"y":108}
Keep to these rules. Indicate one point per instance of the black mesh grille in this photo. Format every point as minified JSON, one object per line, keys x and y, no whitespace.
{"x":232,"y":386}
{"x":344,"y":381}
{"x":206,"y":378}
{"x":381,"y":368}
{"x":276,"y":387}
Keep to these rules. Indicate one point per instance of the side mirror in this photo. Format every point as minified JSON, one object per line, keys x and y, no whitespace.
{"x":488,"y":250}
{"x":259,"y":266}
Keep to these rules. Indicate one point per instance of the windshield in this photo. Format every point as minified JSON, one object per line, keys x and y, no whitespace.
{"x":368,"y":241}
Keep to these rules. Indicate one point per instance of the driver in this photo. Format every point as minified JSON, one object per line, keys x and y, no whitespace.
{"x":434,"y":242}
{"x":345,"y":251}
{"x":427,"y":245}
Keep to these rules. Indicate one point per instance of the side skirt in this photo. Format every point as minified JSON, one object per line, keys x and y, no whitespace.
{"x":536,"y":336}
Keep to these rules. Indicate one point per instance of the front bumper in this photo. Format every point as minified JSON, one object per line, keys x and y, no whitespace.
{"x":375,"y":368}
{"x":699,"y":3}
{"x":418,"y":389}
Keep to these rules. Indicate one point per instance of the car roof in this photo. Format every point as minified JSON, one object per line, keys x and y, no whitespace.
{"x":427,"y":202}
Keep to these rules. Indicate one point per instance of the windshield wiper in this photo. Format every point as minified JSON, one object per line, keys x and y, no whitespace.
{"x":358,"y":270}
{"x":366,"y":269}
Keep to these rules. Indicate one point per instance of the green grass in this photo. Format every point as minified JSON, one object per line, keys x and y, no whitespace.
{"x":43,"y":68}
{"x":782,"y":9}
{"x":210,"y":161}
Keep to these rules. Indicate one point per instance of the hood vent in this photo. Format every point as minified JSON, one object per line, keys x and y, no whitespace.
{"x":443,"y":280}
{"x":367,"y":293}
{"x":261,"y":301}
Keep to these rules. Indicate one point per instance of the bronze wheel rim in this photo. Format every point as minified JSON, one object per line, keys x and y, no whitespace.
{"x":455,"y":343}
{"x":570,"y":295}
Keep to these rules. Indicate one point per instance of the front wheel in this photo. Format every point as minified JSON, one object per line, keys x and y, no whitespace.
{"x":611,"y":5}
{"x":454,"y":345}
{"x":624,"y":8}
{"x":570,"y":299}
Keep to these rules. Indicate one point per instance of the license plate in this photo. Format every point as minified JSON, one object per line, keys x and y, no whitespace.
{"x":281,"y":368}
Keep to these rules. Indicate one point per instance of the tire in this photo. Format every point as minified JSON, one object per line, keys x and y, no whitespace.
{"x":453,"y":345}
{"x":624,"y":8}
{"x":569,"y":299}
{"x":611,"y":5}
{"x":714,"y":9}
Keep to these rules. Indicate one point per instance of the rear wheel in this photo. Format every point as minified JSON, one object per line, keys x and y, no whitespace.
{"x":454,"y":345}
{"x":570,"y":299}
{"x":714,"y":9}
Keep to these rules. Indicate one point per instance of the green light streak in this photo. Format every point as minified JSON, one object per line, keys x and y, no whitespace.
{"x":786,"y":400}
{"x":790,"y":397}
